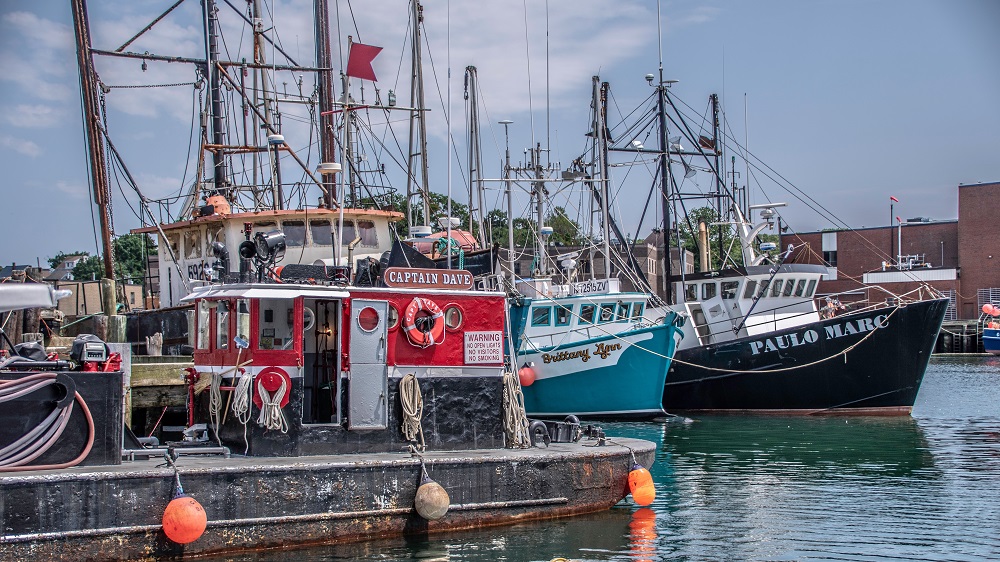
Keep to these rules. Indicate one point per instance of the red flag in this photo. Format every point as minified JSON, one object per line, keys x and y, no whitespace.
{"x":706,"y":142}
{"x":893,"y":199}
{"x":359,"y":61}
{"x":899,"y":219}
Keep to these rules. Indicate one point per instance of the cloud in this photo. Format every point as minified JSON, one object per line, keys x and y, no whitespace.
{"x":72,"y":189}
{"x":20,"y":146}
{"x":44,"y":69}
{"x":34,"y":116}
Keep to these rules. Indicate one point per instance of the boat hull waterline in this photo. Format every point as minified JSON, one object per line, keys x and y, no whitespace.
{"x":864,"y":363}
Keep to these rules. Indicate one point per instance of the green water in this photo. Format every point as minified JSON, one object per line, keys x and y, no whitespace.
{"x":925,"y":487}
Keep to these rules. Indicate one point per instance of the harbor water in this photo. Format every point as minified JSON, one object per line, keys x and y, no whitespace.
{"x":925,"y":487}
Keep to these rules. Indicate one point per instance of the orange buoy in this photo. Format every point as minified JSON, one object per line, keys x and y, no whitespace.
{"x":640,"y":484}
{"x":526,"y":374}
{"x":432,"y":501}
{"x":184,"y":520}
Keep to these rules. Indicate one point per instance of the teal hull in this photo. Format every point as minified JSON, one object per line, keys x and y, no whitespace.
{"x":625,"y":382}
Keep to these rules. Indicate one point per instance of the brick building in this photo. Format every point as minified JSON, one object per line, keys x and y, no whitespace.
{"x":960,"y":258}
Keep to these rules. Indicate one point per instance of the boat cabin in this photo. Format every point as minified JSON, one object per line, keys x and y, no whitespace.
{"x":292,"y":369}
{"x":735,"y":303}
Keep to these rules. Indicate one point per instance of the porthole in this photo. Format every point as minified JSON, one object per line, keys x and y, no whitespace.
{"x":453,"y":317}
{"x":393,"y":317}
{"x":368,"y":319}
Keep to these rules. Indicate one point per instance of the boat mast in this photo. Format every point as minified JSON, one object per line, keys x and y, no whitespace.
{"x":324,"y":60}
{"x":215,"y":96}
{"x":95,"y":140}
{"x":720,"y":183}
{"x":664,"y":184}
{"x":418,"y":127}
{"x":601,"y":143}
{"x":476,"y":214}
{"x":539,"y":192}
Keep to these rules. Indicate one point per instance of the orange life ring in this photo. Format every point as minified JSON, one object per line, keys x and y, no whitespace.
{"x":417,"y":336}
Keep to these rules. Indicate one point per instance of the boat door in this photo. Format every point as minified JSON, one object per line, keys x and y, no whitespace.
{"x":368,"y":379}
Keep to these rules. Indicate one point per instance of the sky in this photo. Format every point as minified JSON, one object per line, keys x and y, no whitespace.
{"x":851,"y":101}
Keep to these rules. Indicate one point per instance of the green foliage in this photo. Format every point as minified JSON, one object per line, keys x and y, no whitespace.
{"x":730,"y":242}
{"x":130,"y":265}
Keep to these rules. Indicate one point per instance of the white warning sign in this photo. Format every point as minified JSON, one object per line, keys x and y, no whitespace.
{"x":483,"y":347}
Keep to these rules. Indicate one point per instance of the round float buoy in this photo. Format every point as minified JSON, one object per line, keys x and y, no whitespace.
{"x":184,"y":520}
{"x":526,"y":375}
{"x":640,"y":485}
{"x":432,"y":499}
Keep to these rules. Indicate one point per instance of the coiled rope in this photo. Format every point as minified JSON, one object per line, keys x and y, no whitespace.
{"x":515,"y":420}
{"x":413,"y":409}
{"x":36,"y":442}
{"x":271,"y":416}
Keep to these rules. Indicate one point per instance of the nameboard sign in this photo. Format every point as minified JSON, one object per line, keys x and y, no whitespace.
{"x":418,"y":278}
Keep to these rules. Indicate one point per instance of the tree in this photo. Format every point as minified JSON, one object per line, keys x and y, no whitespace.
{"x":565,"y":231}
{"x":57,"y":259}
{"x":730,"y":240}
{"x":130,"y":264}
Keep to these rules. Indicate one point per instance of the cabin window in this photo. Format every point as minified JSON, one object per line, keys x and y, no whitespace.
{"x":174,"y":241}
{"x":708,"y":291}
{"x":243,"y":319}
{"x":762,"y":289}
{"x":637,"y":310}
{"x":587,"y":313}
{"x":749,"y":289}
{"x":295,"y":233}
{"x":623,"y":311}
{"x":800,"y":288}
{"x":729,"y":289}
{"x":321,"y":232}
{"x":203,"y":321}
{"x":607,"y":312}
{"x":216,"y":233}
{"x":810,"y":288}
{"x":563,"y":315}
{"x":789,"y":287}
{"x":776,"y":287}
{"x":347,"y":234}
{"x":222,"y":325}
{"x":691,"y":292}
{"x":192,"y":244}
{"x":453,"y":317}
{"x":366,"y":230}
{"x":541,"y":316}
{"x":276,"y":322}
{"x":266,"y":226}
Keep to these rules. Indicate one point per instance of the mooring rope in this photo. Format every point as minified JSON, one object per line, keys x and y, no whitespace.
{"x":515,"y":419}
{"x":413,"y":409}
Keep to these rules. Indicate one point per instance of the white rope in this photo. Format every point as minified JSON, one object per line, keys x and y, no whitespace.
{"x":515,"y":420}
{"x":413,"y":409}
{"x":271,"y":417}
{"x":242,"y":398}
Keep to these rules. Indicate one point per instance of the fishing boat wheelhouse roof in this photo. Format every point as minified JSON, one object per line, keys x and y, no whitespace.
{"x":751,"y":270}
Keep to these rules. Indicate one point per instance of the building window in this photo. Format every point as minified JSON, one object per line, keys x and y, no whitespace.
{"x":651,"y":266}
{"x":830,"y":257}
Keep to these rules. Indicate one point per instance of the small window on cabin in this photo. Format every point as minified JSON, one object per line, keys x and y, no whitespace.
{"x":266,"y":226}
{"x":789,"y":287}
{"x":810,"y":288}
{"x":192,"y":244}
{"x":623,"y":308}
{"x":366,"y":230}
{"x":691,"y":292}
{"x":563,"y":315}
{"x":295,"y":233}
{"x":708,"y":291}
{"x":174,"y":241}
{"x":729,"y":289}
{"x":762,"y":289}
{"x":222,"y":325}
{"x":347,"y":235}
{"x":776,"y":287}
{"x":637,"y":310}
{"x":203,"y":327}
{"x":607,"y":312}
{"x":541,"y":316}
{"x":587,"y":313}
{"x":800,"y":288}
{"x":216,"y":233}
{"x":321,"y":232}
{"x":243,"y":319}
{"x":749,"y":289}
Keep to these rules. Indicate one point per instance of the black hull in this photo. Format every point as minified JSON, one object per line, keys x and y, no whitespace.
{"x":836,"y":366}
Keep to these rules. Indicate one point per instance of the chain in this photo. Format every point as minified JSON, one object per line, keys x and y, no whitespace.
{"x":134,"y":86}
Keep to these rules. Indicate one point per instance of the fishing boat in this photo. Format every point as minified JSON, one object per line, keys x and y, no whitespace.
{"x":585,"y":346}
{"x":991,"y":328}
{"x":759,"y":338}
